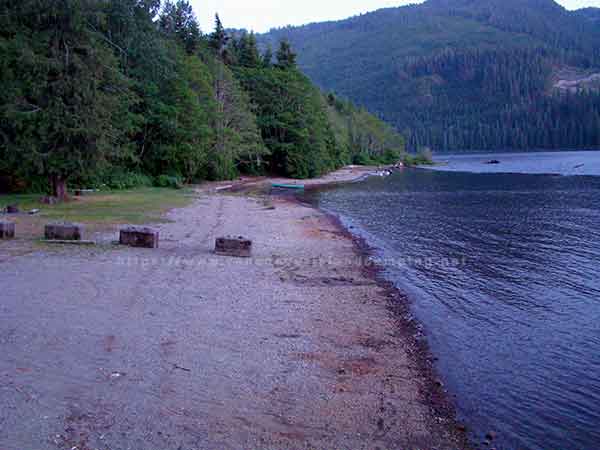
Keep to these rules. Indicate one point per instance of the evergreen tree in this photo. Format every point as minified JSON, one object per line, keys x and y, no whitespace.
{"x":178,"y":19}
{"x":182,"y":135}
{"x":238,"y":144}
{"x":247,"y":51}
{"x":286,"y":58}
{"x":306,"y":132}
{"x":267,"y":59}
{"x":292,"y":121}
{"x":218,"y":39}
{"x":65,"y":105}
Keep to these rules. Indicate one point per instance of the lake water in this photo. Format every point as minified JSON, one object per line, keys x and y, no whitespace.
{"x":503,"y":270}
{"x":558,"y":163}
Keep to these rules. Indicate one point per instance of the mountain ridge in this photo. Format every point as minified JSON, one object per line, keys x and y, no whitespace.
{"x":591,"y":14}
{"x":443,"y":70}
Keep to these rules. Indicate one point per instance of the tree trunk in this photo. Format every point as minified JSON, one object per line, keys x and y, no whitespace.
{"x":59,"y":187}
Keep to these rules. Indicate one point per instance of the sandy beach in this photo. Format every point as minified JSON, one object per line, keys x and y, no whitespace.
{"x":300,"y":346}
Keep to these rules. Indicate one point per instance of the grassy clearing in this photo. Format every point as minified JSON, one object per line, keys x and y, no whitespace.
{"x":135,"y":206}
{"x":101,"y":210}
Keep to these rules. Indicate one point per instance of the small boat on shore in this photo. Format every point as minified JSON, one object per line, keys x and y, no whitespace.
{"x":287,"y":186}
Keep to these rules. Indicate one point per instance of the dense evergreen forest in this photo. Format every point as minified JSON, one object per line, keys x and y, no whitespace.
{"x":465,"y":74}
{"x":120,"y":93}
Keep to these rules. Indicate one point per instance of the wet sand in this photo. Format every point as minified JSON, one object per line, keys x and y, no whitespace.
{"x":176,"y":348}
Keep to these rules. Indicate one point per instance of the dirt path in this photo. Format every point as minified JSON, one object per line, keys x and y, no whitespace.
{"x":175,"y":348}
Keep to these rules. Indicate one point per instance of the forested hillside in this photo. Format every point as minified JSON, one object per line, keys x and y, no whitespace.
{"x":591,"y":14}
{"x":465,"y":74}
{"x":119,"y":93}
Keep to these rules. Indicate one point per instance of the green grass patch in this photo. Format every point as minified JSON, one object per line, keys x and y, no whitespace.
{"x":135,"y":206}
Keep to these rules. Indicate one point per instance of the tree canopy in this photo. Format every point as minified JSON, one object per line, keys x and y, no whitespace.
{"x":111,"y":92}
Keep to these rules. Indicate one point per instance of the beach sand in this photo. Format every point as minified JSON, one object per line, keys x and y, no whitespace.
{"x":299,"y":347}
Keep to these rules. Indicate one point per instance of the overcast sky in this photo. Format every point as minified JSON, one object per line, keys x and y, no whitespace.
{"x":261,"y":15}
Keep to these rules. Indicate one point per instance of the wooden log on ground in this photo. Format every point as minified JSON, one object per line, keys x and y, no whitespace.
{"x":233,"y":246}
{"x":139,"y":237}
{"x":7,"y":230}
{"x":63,"y":232}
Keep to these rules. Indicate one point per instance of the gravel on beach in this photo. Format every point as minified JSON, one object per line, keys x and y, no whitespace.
{"x":177,"y":348}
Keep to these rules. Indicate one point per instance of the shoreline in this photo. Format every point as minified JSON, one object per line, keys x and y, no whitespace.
{"x":397,"y":302}
{"x":301,"y":346}
{"x":399,"y":306}
{"x":262,"y":185}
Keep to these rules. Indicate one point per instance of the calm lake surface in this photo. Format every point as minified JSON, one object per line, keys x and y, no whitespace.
{"x":504,"y":274}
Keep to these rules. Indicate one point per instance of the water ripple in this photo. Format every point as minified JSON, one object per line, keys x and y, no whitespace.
{"x":515,"y":324}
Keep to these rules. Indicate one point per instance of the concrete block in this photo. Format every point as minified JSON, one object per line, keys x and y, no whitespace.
{"x":139,"y":237}
{"x":7,"y":230}
{"x":63,"y":232}
{"x":233,"y":246}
